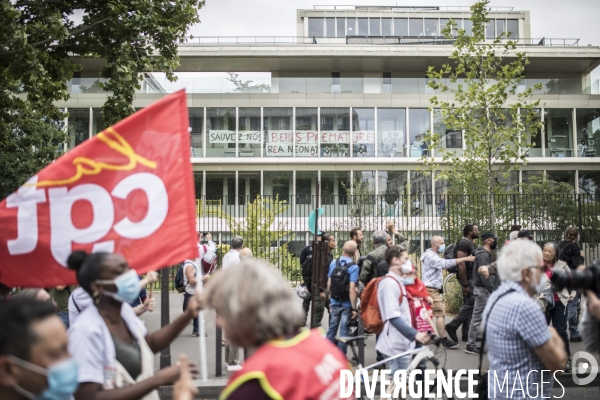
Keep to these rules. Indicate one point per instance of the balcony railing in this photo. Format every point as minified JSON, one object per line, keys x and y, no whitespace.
{"x":407,"y":8}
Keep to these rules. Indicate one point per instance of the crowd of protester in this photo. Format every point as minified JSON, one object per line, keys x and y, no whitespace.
{"x":87,"y":341}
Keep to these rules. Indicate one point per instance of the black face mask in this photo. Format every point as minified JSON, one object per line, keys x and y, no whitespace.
{"x":474,"y":235}
{"x":494,"y":245}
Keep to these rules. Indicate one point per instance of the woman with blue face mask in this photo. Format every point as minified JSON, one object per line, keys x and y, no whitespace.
{"x":114,"y":351}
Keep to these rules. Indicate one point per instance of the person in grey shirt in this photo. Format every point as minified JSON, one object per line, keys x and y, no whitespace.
{"x":431,"y":276}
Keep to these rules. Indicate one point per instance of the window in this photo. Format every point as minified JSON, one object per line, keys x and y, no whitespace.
{"x":249,"y":132}
{"x":220,"y":127}
{"x":248,"y":188}
{"x":98,"y":124}
{"x":533,"y":145}
{"x":387,"y":83}
{"x":558,"y":124}
{"x":303,"y":189}
{"x":589,"y":183}
{"x":400,"y":27}
{"x":500,"y":26}
{"x":468,"y":26}
{"x":363,"y":132}
{"x":330,"y":27}
{"x":351,"y":27}
{"x":335,"y":132}
{"x":277,"y":125}
{"x":386,"y":27}
{"x":335,"y":82}
{"x":566,"y":177}
{"x":334,"y":188}
{"x":196,"y":115}
{"x":418,"y":125}
{"x":431,"y":27}
{"x":306,"y":132}
{"x":588,"y":132}
{"x":415,"y":27}
{"x":444,"y":22}
{"x":391,"y":187}
{"x":512,"y":26}
{"x":79,"y":126}
{"x":374,"y":27}
{"x":278,"y":183}
{"x":391,"y":132}
{"x":341,"y":27}
{"x":363,"y":27}
{"x":450,"y":138}
{"x":198,"y":184}
{"x":489,"y":30}
{"x":315,"y":27}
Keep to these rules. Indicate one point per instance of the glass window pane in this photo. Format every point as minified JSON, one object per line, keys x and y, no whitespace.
{"x":249,"y":132}
{"x":400,"y":27}
{"x":418,"y":125}
{"x":278,"y":183}
{"x":98,"y":124}
{"x":315,"y":27}
{"x":278,"y":132}
{"x":341,"y":27}
{"x":198,"y":184}
{"x":79,"y":126}
{"x":513,"y":28}
{"x":589,"y":183}
{"x":420,"y":194}
{"x":391,"y":132}
{"x":489,"y":30}
{"x":334,"y":185}
{"x":558,"y":124}
{"x":196,"y":115}
{"x":567,"y":177}
{"x":500,"y":26}
{"x":363,"y":27}
{"x":248,"y":188}
{"x":220,"y":127}
{"x":306,"y":190}
{"x":450,"y":139}
{"x":220,"y":193}
{"x":415,"y":27}
{"x":533,"y":147}
{"x":391,"y":187}
{"x":374,"y":27}
{"x":335,"y":132}
{"x":306,"y":132}
{"x":363,"y":132}
{"x":351,"y":27}
{"x":468,"y":26}
{"x":330,"y":27}
{"x":431,"y":27}
{"x":532,"y":176}
{"x":588,"y":132}
{"x":386,"y":27}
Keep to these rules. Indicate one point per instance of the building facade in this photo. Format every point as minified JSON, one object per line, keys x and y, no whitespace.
{"x":346,"y":100}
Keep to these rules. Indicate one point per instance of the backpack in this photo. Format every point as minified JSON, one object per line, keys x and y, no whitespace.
{"x":450,"y":254}
{"x":369,"y":307}
{"x":571,"y":254}
{"x":361,"y":262}
{"x":382,"y":267}
{"x":307,"y":268}
{"x":180,"y":278}
{"x":340,"y":281}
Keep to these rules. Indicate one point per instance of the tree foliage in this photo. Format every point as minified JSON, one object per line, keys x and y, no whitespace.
{"x":41,"y":46}
{"x":246,"y":86}
{"x":483,"y":78}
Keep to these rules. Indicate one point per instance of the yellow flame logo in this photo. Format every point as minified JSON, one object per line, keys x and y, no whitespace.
{"x":87,"y":166}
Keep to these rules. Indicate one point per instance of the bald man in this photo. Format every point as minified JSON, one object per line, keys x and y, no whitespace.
{"x":431,"y":275}
{"x":343,"y":299}
{"x":245,"y":253}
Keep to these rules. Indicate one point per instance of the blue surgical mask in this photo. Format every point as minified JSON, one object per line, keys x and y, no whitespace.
{"x":62,"y":379}
{"x":409,"y":281}
{"x":128,"y":287}
{"x":442,"y":248}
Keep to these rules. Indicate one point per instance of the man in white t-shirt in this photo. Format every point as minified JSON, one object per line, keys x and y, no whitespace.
{"x":231,"y":258}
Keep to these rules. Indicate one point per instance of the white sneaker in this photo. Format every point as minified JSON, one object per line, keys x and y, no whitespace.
{"x":233,"y":368}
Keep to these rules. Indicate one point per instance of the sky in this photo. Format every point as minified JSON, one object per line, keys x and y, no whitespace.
{"x":549,"y":18}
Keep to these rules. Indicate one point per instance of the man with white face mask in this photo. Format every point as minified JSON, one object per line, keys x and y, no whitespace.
{"x":34,"y":361}
{"x":519,"y":341}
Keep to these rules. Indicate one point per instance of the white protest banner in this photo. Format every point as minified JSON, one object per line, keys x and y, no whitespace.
{"x":226,"y":136}
{"x":335,"y":137}
{"x":363,"y":137}
{"x":390,"y":137}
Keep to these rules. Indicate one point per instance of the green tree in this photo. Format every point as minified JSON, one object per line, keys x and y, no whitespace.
{"x":264,"y":236}
{"x":246,"y":86}
{"x":481,"y":76}
{"x":41,"y":44}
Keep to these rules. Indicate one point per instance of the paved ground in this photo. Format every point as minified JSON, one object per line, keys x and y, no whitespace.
{"x":454,"y":359}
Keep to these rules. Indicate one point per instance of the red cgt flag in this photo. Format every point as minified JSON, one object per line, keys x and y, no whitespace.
{"x":128,"y":190}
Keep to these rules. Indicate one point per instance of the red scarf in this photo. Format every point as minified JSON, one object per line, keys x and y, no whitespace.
{"x":418,"y":289}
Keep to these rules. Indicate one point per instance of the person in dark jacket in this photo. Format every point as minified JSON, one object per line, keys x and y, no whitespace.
{"x":320,"y":297}
{"x":482,"y":287}
{"x":571,"y":253}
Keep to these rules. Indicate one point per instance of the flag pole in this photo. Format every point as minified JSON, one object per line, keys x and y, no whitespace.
{"x":201,"y":328}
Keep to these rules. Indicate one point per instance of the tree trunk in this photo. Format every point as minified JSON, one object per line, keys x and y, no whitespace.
{"x":492,"y":202}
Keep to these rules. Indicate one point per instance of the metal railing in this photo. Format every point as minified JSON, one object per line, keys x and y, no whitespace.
{"x":276,"y":228}
{"x":407,"y":8}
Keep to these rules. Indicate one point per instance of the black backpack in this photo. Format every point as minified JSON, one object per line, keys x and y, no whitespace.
{"x":340,"y":281}
{"x":179,"y":285}
{"x":450,"y":254}
{"x":382,"y":267}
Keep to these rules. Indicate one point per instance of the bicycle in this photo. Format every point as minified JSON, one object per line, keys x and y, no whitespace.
{"x":419,"y":354}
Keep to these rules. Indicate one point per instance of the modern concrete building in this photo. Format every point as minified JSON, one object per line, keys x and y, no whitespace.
{"x":348,"y":98}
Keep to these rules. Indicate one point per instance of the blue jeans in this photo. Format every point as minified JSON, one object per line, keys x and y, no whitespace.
{"x":572,"y":316}
{"x":558,"y":316}
{"x":64,"y":316}
{"x":186,"y":298}
{"x":338,"y":318}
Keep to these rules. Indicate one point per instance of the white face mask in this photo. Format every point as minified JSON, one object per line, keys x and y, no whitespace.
{"x":541,"y":285}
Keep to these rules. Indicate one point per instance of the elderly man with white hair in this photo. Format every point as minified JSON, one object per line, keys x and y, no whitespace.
{"x":520,"y":344}
{"x":431,"y":275}
{"x":245,"y":253}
